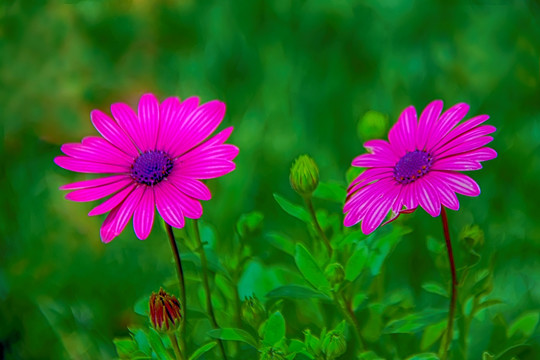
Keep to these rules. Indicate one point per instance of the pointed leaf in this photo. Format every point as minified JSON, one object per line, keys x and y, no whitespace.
{"x":309,"y":268}
{"x":233,"y":334}
{"x":274,"y":329}
{"x":296,"y":292}
{"x":356,"y":263}
{"x":203,"y":349}
{"x":292,"y":209}
{"x":524,"y":325}
{"x":157,"y":345}
{"x":435,"y":288}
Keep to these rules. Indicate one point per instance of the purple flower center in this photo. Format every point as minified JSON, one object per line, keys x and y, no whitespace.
{"x":412,"y":166}
{"x":151,"y":167}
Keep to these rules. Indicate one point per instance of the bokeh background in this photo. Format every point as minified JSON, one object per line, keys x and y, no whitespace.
{"x":297,"y":77}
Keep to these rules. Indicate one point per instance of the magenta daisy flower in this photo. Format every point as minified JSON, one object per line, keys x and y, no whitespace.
{"x":419,"y":166}
{"x":156,"y":159}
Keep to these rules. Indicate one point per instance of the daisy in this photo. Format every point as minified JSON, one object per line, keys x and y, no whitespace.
{"x":419,"y":166}
{"x":156,"y":158}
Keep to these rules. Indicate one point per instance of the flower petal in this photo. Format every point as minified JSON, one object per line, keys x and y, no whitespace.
{"x":197,"y":126}
{"x":407,"y":124}
{"x":461,"y":129}
{"x":462,"y":184}
{"x":456,"y":163}
{"x":149,"y":121}
{"x":143,"y":217}
{"x":113,"y":201}
{"x":110,"y":130}
{"x":378,"y":211}
{"x":95,"y":193}
{"x":380,"y":146}
{"x":173,"y":115}
{"x":428,"y":197}
{"x":189,"y":186}
{"x":447,"y":121}
{"x":168,"y":206}
{"x":446,"y":194}
{"x":97,"y":150}
{"x":373,"y":160}
{"x":427,"y":122}
{"x":93,"y":182}
{"x":115,"y":224}
{"x":129,"y":122}
{"x":84,"y":166}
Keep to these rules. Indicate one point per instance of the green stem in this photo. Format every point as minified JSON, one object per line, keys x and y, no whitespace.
{"x":204,"y":267}
{"x":174,"y":343}
{"x":181,"y":283}
{"x":317,"y":226}
{"x":351,"y":317}
{"x":450,"y":324}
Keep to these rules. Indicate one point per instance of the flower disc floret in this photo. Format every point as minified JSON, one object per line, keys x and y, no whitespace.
{"x":412,"y":166}
{"x":151,"y":167}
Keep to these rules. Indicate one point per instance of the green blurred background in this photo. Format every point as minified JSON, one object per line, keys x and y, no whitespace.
{"x":297,"y":77}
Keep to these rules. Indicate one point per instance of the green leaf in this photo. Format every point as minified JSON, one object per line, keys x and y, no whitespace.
{"x":423,"y":356}
{"x":330,"y":191}
{"x":292,"y":209}
{"x":141,"y":338}
{"x":524,"y":325}
{"x":435,"y":288}
{"x":281,"y":242}
{"x":432,"y":333}
{"x":381,"y":248}
{"x":203,"y":349}
{"x":141,"y":306}
{"x":296,"y":292}
{"x":435,"y":246}
{"x":309,"y":268}
{"x":369,"y":355}
{"x":356,"y":262}
{"x":415,"y":322}
{"x":232,"y":334}
{"x":157,"y":345}
{"x":274,"y":329}
{"x":125,"y":346}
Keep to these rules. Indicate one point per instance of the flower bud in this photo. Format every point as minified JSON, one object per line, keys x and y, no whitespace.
{"x":272,"y":353}
{"x":334,"y":344}
{"x":335,"y":274}
{"x":304,"y":176}
{"x":472,"y":236}
{"x":253,"y":311}
{"x":165,"y":311}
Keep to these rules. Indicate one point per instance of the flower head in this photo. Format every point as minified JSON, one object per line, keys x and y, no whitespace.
{"x":304,"y":176}
{"x":419,"y":166}
{"x":156,"y":157}
{"x":165,"y":311}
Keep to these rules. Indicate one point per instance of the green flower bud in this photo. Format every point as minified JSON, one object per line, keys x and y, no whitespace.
{"x":334,"y":344}
{"x":272,"y":353}
{"x":335,"y":274}
{"x":165,"y":312}
{"x":253,"y":311}
{"x":304,"y":176}
{"x":472,"y":236}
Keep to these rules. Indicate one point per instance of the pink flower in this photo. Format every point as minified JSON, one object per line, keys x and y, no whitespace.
{"x":157,"y":156}
{"x":419,"y":165}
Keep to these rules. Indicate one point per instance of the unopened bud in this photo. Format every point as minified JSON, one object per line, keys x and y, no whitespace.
{"x":335,"y":274}
{"x":304,"y":176}
{"x":165,"y":311}
{"x":334,"y":344}
{"x":253,"y":311}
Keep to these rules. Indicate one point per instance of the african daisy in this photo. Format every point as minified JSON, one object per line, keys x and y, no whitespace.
{"x":156,"y":158}
{"x":419,"y":166}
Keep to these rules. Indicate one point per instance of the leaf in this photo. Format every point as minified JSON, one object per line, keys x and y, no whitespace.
{"x":432,"y":333}
{"x":423,"y":356}
{"x":369,"y":355}
{"x":274,"y":329}
{"x":330,"y":191}
{"x":381,"y":248}
{"x":141,"y":338}
{"x":141,"y":306}
{"x":415,"y":322}
{"x":524,"y":325}
{"x":309,"y":268}
{"x":203,"y":349}
{"x":435,"y":288}
{"x":296,"y":292}
{"x":292,"y":209}
{"x":435,"y":246}
{"x":125,"y":346}
{"x":157,"y":345}
{"x":232,"y":334}
{"x":356,"y":263}
{"x":487,"y":304}
{"x":213,"y":262}
{"x":281,"y":242}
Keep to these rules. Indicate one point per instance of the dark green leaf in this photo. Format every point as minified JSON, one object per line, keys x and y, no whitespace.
{"x":415,"y":322}
{"x":309,"y":268}
{"x":432,"y":333}
{"x":281,"y":242}
{"x":330,"y":191}
{"x":435,"y":288}
{"x":125,"y":346}
{"x":524,"y":325}
{"x":296,"y":292}
{"x":249,"y":222}
{"x":292,"y":209}
{"x":157,"y":345}
{"x":232,"y":334}
{"x":424,"y":356}
{"x":356,"y":263}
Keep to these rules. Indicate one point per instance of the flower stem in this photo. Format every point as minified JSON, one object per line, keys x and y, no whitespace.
{"x":317,"y":226}
{"x":181,"y":283}
{"x":351,"y":317}
{"x":204,"y":267}
{"x":450,"y":324}
{"x":174,"y":343}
